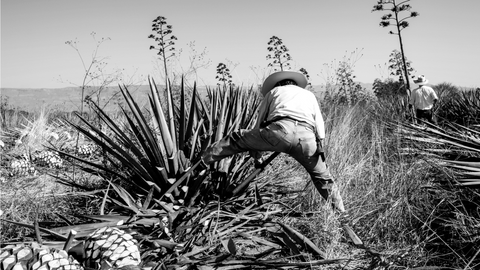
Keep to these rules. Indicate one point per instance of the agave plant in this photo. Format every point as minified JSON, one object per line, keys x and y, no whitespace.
{"x":458,"y":106}
{"x":456,"y":147}
{"x":160,"y":156}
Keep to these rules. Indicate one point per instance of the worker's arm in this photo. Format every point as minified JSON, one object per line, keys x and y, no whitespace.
{"x":319,"y":124}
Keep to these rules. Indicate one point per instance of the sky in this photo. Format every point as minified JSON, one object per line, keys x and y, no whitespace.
{"x":442,"y":43}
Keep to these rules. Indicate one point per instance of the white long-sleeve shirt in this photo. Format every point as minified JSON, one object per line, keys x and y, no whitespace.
{"x":293,"y":102}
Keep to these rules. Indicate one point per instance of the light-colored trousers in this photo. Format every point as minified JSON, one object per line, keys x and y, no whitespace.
{"x":287,"y":136}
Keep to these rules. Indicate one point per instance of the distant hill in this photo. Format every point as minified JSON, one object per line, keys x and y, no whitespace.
{"x":68,"y":99}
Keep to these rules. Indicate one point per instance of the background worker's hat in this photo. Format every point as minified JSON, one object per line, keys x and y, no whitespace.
{"x":276,"y":77}
{"x":421,"y":80}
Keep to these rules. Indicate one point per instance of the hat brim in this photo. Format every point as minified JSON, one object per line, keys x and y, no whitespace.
{"x":276,"y":77}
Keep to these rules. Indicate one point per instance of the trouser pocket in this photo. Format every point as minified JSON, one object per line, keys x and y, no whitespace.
{"x":273,"y":134}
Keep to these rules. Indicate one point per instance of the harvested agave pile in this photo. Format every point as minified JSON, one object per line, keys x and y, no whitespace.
{"x":26,"y":165}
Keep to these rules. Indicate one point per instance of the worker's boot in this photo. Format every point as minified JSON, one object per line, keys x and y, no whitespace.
{"x":328,"y":189}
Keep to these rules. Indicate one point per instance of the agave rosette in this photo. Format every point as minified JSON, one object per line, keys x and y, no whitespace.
{"x":456,"y":146}
{"x":159,"y":151}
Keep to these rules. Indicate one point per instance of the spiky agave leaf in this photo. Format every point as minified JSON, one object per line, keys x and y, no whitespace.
{"x":456,"y":145}
{"x":165,"y":132}
{"x":470,"y":172}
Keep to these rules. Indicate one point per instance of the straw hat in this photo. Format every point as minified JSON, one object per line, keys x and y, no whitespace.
{"x":276,"y":77}
{"x":421,"y":80}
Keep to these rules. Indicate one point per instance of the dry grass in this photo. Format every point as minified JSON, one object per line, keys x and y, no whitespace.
{"x":26,"y":198}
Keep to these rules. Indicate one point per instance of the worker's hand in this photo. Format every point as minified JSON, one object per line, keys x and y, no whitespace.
{"x":258,"y":163}
{"x":257,"y":159}
{"x":319,"y":147}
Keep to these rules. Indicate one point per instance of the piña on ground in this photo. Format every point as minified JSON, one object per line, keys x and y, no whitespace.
{"x":36,"y":257}
{"x":22,"y":167}
{"x":48,"y":158}
{"x":110,"y":247}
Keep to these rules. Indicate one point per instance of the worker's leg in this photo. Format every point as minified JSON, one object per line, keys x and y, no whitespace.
{"x":270,"y":138}
{"x":304,"y":152}
{"x":429,"y":116}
